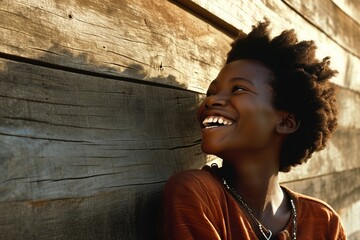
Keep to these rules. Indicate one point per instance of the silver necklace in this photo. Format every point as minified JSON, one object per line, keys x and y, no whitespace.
{"x":264,"y":231}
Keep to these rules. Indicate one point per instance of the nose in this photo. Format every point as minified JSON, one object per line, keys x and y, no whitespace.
{"x":215,"y":100}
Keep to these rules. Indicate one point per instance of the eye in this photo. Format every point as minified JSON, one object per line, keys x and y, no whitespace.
{"x":209,"y":93}
{"x":238,"y":89}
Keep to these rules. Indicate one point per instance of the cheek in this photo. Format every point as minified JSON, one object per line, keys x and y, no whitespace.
{"x":265,"y":121}
{"x":257,"y":118}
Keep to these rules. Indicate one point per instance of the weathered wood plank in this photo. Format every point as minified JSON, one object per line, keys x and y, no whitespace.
{"x":331,"y":20}
{"x":68,"y":135}
{"x":348,"y":105}
{"x":350,"y":7}
{"x":242,"y":14}
{"x":147,"y":40}
{"x":107,"y":216}
{"x":340,"y":155}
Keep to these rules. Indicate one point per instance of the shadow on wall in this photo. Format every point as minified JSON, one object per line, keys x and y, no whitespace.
{"x":86,"y":149}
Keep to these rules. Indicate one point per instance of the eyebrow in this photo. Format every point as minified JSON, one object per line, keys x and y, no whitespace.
{"x":235,"y":79}
{"x":242,"y":79}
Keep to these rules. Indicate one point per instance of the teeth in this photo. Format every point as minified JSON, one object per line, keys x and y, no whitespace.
{"x":211,"y":120}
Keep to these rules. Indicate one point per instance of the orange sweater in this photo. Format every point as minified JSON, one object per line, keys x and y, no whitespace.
{"x":197,"y":206}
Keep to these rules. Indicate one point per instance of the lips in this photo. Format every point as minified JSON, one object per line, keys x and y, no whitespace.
{"x":213,"y":121}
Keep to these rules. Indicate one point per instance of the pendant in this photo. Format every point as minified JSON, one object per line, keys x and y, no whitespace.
{"x":263,"y":233}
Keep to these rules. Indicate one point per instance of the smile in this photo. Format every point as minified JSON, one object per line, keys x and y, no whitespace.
{"x":216,"y":121}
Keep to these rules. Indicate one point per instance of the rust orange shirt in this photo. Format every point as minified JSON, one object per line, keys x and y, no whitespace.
{"x":197,"y":206}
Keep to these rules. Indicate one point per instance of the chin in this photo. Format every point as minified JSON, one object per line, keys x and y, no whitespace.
{"x":209,"y":148}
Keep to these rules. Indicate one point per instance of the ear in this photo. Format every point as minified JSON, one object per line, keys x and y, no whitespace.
{"x":287,"y":124}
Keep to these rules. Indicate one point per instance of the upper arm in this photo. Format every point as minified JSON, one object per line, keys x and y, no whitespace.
{"x":186,"y":210}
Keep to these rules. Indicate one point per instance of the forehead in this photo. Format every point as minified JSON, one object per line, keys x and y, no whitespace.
{"x":248,"y":70}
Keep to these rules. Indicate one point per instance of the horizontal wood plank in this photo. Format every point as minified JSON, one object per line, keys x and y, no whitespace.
{"x":129,"y":213}
{"x":68,"y":135}
{"x":350,"y":7}
{"x":348,"y":105}
{"x":331,"y":20}
{"x":151,"y":41}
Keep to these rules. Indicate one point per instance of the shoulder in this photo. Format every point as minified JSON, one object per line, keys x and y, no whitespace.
{"x":318,"y":213}
{"x":193,"y":181}
{"x":192,"y":206}
{"x":316,"y":206}
{"x":192,"y":177}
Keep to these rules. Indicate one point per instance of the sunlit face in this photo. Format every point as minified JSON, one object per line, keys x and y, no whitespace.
{"x":237,"y":114}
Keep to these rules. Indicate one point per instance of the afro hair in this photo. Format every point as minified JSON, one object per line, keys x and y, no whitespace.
{"x":300,"y":84}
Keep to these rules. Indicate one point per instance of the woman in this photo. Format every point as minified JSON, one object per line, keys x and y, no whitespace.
{"x":269,"y":109}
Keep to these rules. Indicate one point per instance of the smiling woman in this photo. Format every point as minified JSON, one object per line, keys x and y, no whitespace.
{"x":270,"y":107}
{"x":240,"y":95}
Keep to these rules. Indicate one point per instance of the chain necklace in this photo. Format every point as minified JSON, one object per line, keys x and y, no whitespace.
{"x":264,"y":231}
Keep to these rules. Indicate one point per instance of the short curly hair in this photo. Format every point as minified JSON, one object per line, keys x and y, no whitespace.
{"x":300,"y":85}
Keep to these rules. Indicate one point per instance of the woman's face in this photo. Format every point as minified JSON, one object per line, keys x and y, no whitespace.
{"x":237,"y":114}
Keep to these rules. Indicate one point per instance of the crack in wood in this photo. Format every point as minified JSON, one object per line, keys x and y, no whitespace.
{"x":45,"y":102}
{"x":63,"y":125}
{"x":47,"y":51}
{"x":127,"y":57}
{"x":74,"y":178}
{"x":14,"y":179}
{"x":42,"y":138}
{"x":134,"y":185}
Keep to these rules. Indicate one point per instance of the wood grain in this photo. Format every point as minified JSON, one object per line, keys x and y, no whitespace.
{"x":350,"y":7}
{"x":331,"y":20}
{"x":98,"y":105}
{"x":67,"y":135}
{"x":151,"y":41}
{"x":107,"y":216}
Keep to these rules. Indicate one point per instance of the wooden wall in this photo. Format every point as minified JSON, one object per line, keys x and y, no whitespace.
{"x":98,"y":102}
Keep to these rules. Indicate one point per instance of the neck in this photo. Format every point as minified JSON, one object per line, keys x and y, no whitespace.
{"x":254,"y":175}
{"x":257,"y":184}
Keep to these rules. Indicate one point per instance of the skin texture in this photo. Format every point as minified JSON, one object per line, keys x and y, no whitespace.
{"x":251,"y":144}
